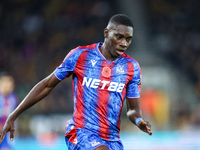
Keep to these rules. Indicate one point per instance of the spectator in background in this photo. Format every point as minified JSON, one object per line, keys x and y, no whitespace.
{"x":8,"y":102}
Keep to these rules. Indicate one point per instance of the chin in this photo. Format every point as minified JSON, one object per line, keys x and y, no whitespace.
{"x":116,"y":56}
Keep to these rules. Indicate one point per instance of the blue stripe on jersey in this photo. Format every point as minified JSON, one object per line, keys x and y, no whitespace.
{"x":116,"y":99}
{"x":133,"y":88}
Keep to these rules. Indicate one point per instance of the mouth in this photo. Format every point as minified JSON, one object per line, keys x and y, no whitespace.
{"x":120,"y":52}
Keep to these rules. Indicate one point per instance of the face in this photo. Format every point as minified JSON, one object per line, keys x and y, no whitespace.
{"x":6,"y":85}
{"x":117,"y":39}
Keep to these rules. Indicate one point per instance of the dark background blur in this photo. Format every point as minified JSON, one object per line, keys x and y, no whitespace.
{"x":36,"y":35}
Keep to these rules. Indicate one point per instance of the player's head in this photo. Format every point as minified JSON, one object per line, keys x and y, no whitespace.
{"x":121,"y":19}
{"x":6,"y":83}
{"x":118,"y":34}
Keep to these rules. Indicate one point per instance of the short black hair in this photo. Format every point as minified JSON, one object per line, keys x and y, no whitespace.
{"x":121,"y":19}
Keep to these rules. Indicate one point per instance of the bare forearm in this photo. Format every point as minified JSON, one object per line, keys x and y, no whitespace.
{"x":39,"y":91}
{"x":133,"y":109}
{"x":36,"y":94}
{"x":134,"y":114}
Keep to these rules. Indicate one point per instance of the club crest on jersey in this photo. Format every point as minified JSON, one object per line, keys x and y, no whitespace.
{"x":120,"y":69}
{"x":106,"y":72}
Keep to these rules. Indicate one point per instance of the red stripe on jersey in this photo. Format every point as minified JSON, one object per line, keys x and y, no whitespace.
{"x":130,"y":68}
{"x":79,"y":106}
{"x":102,"y":108}
{"x":72,"y":136}
{"x":88,"y":46}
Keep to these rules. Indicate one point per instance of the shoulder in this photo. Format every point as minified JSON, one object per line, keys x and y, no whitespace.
{"x":88,"y":47}
{"x":80,"y":49}
{"x":130,"y":60}
{"x":76,"y":52}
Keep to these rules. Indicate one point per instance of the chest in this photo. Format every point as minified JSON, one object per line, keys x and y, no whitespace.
{"x":94,"y":72}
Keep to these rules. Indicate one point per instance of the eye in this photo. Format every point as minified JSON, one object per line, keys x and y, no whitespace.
{"x":118,"y":37}
{"x":128,"y":39}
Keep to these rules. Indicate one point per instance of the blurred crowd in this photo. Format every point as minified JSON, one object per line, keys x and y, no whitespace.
{"x":175,"y":31}
{"x":36,"y":35}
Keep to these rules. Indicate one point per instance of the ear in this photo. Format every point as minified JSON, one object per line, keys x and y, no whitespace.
{"x":106,"y":32}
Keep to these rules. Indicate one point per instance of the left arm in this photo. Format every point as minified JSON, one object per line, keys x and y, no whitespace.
{"x":134,"y":112}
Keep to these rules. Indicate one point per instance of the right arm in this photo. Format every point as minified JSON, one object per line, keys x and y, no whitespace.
{"x":39,"y":91}
{"x":42,"y":89}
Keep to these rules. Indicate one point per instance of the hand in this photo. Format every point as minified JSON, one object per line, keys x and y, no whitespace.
{"x":145,"y":126}
{"x":8,"y":127}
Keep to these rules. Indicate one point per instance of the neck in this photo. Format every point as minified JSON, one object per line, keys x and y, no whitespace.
{"x":105,"y":52}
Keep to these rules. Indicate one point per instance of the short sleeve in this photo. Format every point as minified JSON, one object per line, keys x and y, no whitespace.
{"x":67,"y":67}
{"x":133,"y":88}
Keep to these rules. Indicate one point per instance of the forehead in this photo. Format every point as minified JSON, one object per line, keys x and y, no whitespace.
{"x":120,"y":29}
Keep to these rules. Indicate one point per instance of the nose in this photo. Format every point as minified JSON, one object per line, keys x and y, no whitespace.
{"x":123,"y":43}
